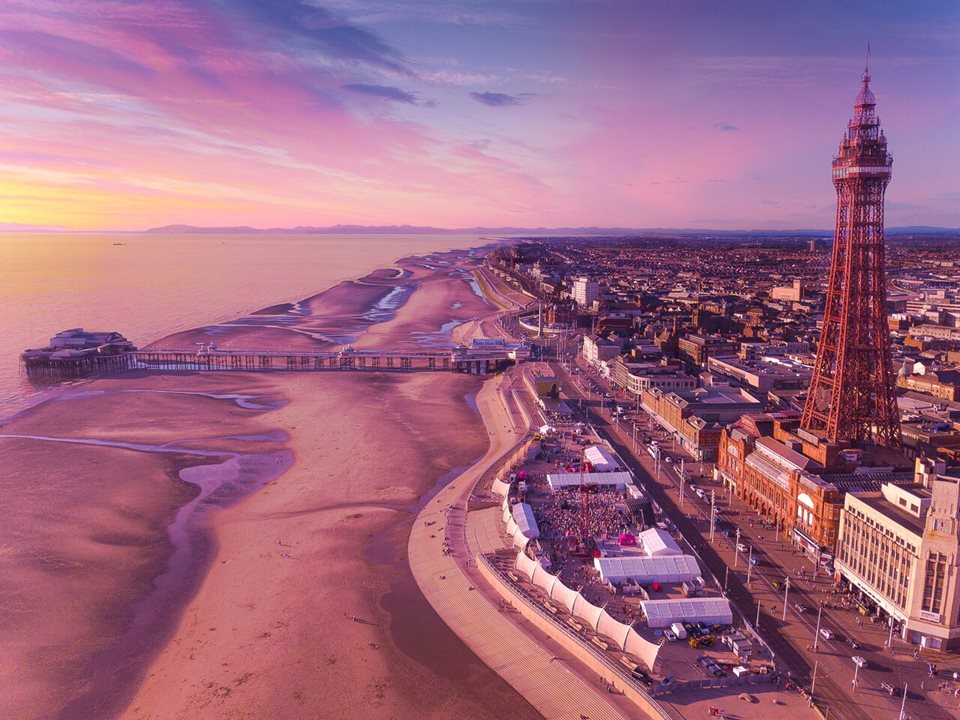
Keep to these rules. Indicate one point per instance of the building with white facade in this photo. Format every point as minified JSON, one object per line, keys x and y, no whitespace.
{"x":899,"y":547}
{"x":585,"y":291}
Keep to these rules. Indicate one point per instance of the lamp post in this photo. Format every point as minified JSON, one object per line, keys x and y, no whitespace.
{"x":756,"y":624}
{"x":736,"y":550}
{"x":786,"y":592}
{"x":726,"y":576}
{"x":682,"y":483}
{"x":856,"y":670}
{"x":813,"y":683}
{"x":816,"y":634}
{"x":904,"y":701}
{"x":634,"y":436}
{"x":749,"y":565}
{"x":713,"y":515}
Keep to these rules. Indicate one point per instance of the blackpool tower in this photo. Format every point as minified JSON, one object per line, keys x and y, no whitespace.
{"x":852,"y":400}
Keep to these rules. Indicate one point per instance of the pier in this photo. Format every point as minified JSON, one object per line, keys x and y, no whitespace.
{"x":481,"y":360}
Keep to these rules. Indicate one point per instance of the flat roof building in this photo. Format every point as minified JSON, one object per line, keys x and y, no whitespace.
{"x":899,"y":547}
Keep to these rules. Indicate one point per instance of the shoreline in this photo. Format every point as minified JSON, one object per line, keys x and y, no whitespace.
{"x":194,"y":391}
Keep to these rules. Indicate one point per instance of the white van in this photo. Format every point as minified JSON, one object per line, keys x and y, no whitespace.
{"x":826,"y":634}
{"x":679,"y":630}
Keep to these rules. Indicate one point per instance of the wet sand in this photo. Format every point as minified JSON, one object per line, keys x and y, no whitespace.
{"x":295,"y":600}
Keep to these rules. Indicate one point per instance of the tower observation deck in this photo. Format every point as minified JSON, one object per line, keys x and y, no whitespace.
{"x":852,"y":399}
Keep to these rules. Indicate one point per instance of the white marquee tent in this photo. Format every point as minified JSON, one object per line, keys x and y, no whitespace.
{"x":661,"y":613}
{"x":666,"y":569}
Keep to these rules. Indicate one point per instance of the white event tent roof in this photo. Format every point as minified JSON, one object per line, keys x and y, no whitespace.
{"x":665,"y":569}
{"x":657,"y":542}
{"x":661,"y":613}
{"x":601,"y":459}
{"x":565,"y":481}
{"x":523,"y":517}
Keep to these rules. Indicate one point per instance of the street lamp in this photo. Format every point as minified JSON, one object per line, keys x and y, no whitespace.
{"x":856,"y":670}
{"x":786,"y":592}
{"x":749,"y":565}
{"x":736,"y":553}
{"x":713,"y":514}
{"x":813,"y":684}
{"x":816,"y":634}
{"x":634,"y":436}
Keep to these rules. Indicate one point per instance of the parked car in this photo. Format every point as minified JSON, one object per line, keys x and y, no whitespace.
{"x":754,"y":560}
{"x":741,"y":547}
{"x":800,"y":607}
{"x":827,"y":634}
{"x":642,"y":676}
{"x":891,"y":690}
{"x":859,"y":661}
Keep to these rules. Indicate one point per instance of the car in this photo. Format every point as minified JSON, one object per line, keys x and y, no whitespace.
{"x":670,"y":635}
{"x":668,"y":459}
{"x":754,"y":560}
{"x":827,"y":634}
{"x":854,"y":644}
{"x":800,"y":607}
{"x":726,"y":533}
{"x":741,"y":547}
{"x":859,"y":661}
{"x":891,"y":690}
{"x":642,"y":676}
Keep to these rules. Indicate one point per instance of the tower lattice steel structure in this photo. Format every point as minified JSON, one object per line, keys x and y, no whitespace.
{"x":852,"y":397}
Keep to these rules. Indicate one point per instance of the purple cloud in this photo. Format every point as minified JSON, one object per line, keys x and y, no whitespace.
{"x":383,"y":91}
{"x":725,"y":127}
{"x":494,"y":99}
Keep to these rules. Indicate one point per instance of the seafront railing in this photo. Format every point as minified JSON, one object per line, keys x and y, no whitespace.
{"x":596,"y":653}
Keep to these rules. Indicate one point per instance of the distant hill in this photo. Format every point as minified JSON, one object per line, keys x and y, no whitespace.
{"x":571,"y":231}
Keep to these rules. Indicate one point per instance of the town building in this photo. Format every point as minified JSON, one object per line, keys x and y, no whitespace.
{"x":597,"y":349}
{"x":900,"y":547}
{"x":763,"y":374}
{"x":696,"y":418}
{"x":585,"y":291}
{"x":780,"y":471}
{"x":696,"y":349}
{"x":792,"y":293}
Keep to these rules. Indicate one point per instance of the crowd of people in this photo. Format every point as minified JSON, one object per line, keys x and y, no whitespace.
{"x":563,"y":515}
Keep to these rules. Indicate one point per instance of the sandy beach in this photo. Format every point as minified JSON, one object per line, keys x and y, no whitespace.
{"x":283,"y":589}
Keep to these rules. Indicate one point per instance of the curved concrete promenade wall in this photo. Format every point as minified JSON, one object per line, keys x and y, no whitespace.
{"x":574,"y":644}
{"x":599,"y":620}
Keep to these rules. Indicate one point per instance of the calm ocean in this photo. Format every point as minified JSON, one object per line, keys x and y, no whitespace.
{"x":149,"y":286}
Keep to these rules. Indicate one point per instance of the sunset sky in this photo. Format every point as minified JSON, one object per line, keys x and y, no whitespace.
{"x":126,"y":114}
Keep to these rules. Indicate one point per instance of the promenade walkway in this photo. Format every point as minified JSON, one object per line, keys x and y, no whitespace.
{"x":442,"y":544}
